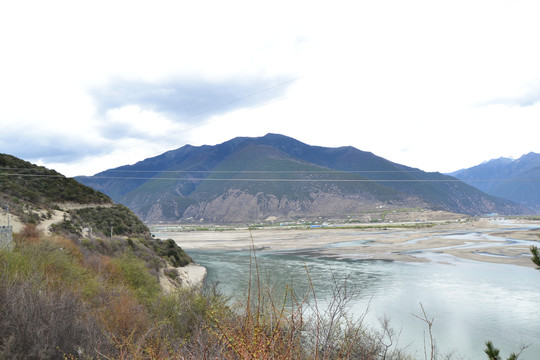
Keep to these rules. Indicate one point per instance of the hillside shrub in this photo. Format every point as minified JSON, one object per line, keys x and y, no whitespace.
{"x":154,"y":252}
{"x":171,"y":251}
{"x":61,"y":300}
{"x":28,"y":234}
{"x":43,"y":313}
{"x":137,"y":277}
{"x":66,"y":227}
{"x":101,"y":219}
{"x":41,"y":323}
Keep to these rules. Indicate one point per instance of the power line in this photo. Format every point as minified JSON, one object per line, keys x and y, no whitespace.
{"x":309,"y":180}
{"x":272,"y":179}
{"x":269,"y":171}
{"x":239,"y":171}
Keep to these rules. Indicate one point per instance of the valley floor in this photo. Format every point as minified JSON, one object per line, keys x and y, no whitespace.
{"x":495,"y":240}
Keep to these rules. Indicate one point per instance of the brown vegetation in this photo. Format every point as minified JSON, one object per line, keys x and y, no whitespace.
{"x":60,"y":300}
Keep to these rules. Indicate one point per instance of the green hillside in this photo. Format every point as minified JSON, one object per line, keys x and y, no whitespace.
{"x":33,"y":192}
{"x":264,"y":169}
{"x":38,"y":185}
{"x":251,"y":179}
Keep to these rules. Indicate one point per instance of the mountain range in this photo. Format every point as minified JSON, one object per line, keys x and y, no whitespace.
{"x":514,"y":179}
{"x":280,"y":178}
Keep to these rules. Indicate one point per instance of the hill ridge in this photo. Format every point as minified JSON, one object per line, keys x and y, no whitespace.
{"x":297,"y":183}
{"x":513,"y":179}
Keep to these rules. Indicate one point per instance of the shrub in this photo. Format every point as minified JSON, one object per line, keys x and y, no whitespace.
{"x":123,"y":316}
{"x":104,"y":266}
{"x":39,"y":318}
{"x":38,"y":323}
{"x":135,"y":274}
{"x":66,"y":226}
{"x":29,"y":234}
{"x":172,"y":273}
{"x":122,"y":220}
{"x":87,"y":243}
{"x":535,"y":256}
{"x":171,"y":251}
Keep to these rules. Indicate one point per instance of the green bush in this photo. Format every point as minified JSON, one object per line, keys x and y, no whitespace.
{"x":172,"y":252}
{"x":136,"y":276}
{"x":101,"y":219}
{"x":66,"y":226}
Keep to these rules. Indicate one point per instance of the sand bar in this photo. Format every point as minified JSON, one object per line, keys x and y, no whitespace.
{"x":490,"y":240}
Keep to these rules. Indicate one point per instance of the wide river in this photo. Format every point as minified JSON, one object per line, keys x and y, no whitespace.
{"x":471,"y":301}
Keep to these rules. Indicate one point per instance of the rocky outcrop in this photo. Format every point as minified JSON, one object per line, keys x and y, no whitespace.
{"x":237,"y":205}
{"x":190,"y":276}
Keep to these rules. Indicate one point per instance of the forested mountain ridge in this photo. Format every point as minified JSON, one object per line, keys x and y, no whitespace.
{"x":278,"y":177}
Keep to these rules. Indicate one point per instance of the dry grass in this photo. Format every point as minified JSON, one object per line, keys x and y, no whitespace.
{"x":59,"y":302}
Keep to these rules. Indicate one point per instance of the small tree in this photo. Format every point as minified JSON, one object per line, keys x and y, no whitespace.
{"x":536,"y":255}
{"x":493,"y":353}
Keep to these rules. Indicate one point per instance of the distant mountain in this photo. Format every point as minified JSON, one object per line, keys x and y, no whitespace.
{"x":275,"y":176}
{"x":516,"y":180}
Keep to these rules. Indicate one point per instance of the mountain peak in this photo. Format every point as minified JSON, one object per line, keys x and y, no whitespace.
{"x":513,"y":179}
{"x":253,"y":178}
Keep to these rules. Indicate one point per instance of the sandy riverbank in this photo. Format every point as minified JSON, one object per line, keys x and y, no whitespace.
{"x":191,"y":276}
{"x":488,"y":240}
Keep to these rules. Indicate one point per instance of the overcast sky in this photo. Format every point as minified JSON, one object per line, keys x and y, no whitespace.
{"x":437,"y":85}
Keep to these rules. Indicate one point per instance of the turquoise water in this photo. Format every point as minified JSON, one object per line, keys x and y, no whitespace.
{"x":471,"y":302}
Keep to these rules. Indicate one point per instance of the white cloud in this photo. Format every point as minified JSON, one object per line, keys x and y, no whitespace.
{"x":439,"y":86}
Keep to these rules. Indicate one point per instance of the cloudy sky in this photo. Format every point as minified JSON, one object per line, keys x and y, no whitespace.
{"x":439,"y":85}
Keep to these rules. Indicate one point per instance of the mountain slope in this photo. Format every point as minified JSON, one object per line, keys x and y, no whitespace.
{"x":276,"y":176}
{"x":516,"y":180}
{"x":38,"y":185}
{"x":39,"y":196}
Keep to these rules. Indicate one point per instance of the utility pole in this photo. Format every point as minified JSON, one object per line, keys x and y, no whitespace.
{"x":111,"y":231}
{"x":6,"y":233}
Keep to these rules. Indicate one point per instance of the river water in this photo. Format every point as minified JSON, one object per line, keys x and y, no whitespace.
{"x":470,"y":301}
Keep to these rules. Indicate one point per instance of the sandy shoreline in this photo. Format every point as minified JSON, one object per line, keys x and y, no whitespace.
{"x":489,"y":240}
{"x":189,"y":276}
